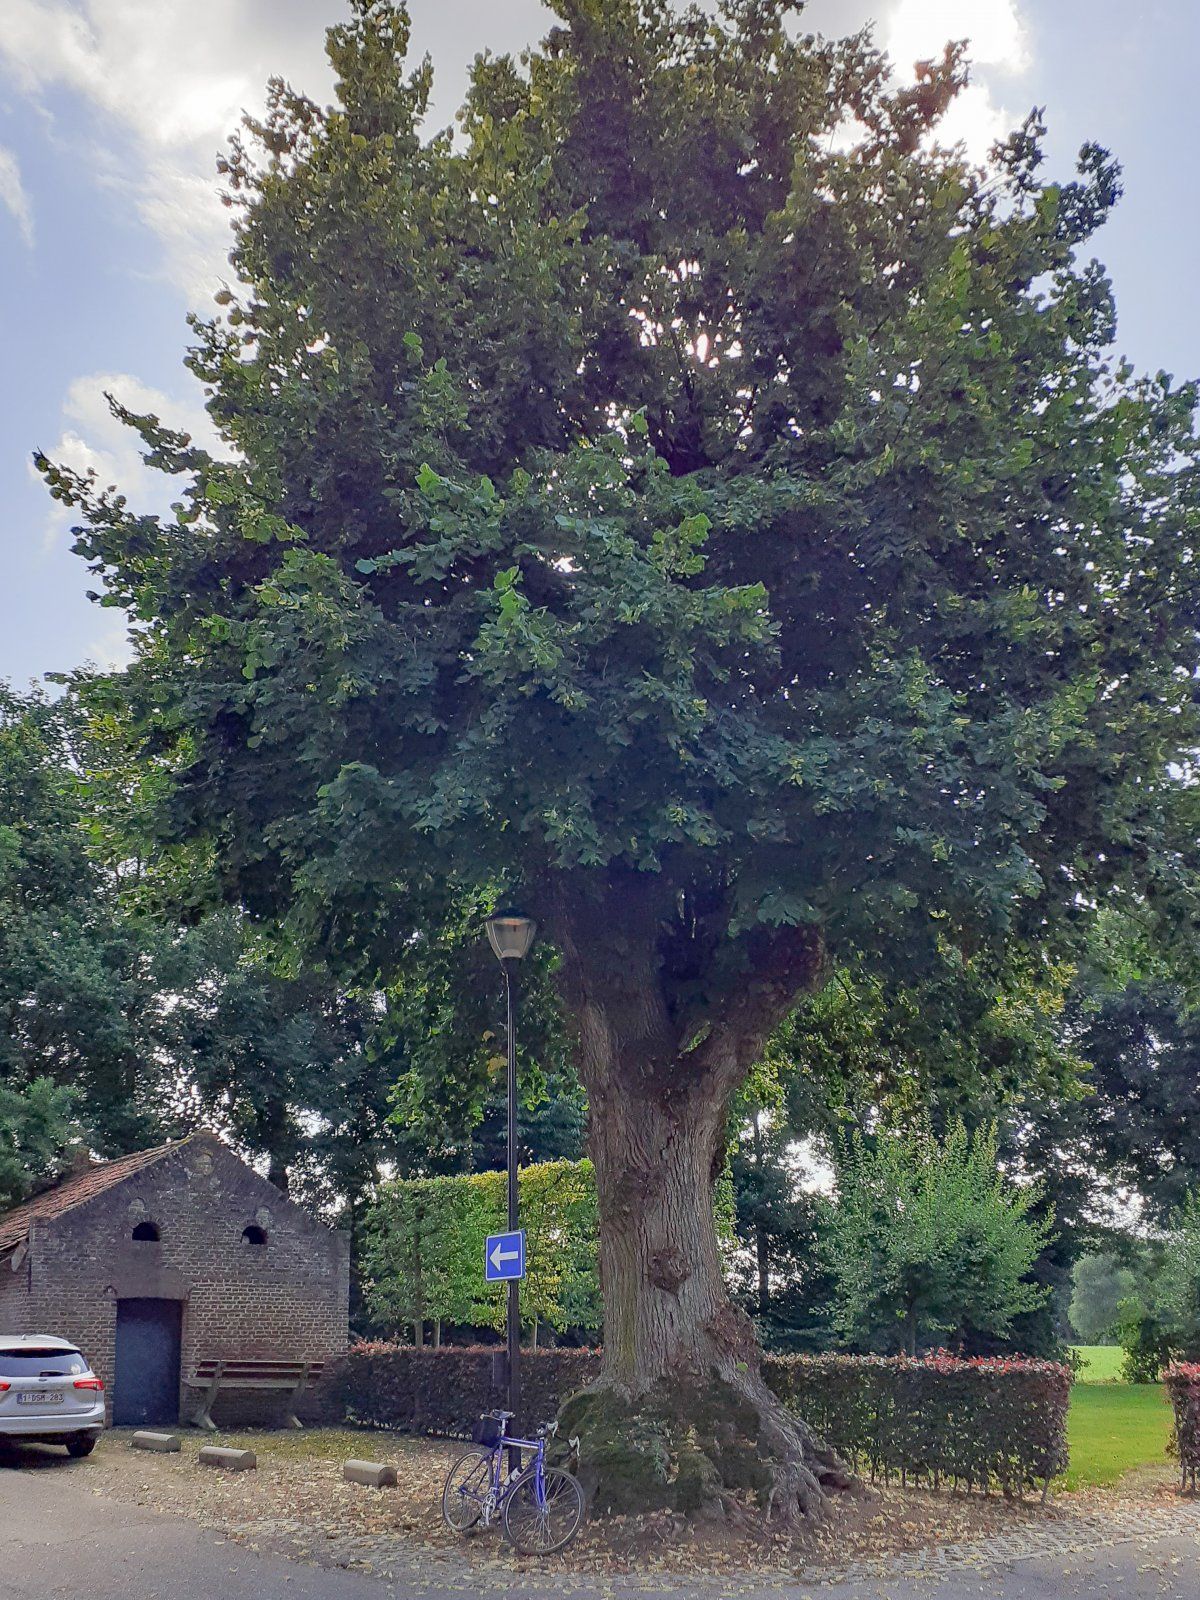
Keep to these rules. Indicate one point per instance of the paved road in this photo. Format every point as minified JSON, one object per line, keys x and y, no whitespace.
{"x":59,"y":1540}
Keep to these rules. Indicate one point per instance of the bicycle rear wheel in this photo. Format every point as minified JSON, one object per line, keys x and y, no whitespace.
{"x":466,"y":1489}
{"x":538,"y":1524}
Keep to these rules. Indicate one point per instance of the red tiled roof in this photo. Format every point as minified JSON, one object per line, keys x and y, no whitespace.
{"x":77,"y":1187}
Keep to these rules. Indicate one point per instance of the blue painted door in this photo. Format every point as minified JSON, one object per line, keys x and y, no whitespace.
{"x":146,"y":1380}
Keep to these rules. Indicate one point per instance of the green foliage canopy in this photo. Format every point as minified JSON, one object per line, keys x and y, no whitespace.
{"x":643,"y":484}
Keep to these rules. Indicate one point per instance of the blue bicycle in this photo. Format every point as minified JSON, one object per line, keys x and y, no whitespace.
{"x":540,"y":1507}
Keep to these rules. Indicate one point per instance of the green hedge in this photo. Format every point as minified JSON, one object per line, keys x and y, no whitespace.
{"x":1182,"y":1379}
{"x":937,"y":1420}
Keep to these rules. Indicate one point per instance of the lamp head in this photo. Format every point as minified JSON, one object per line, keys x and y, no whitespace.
{"x":510,"y":936}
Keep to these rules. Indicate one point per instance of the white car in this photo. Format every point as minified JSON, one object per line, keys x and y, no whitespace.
{"x":48,"y":1393}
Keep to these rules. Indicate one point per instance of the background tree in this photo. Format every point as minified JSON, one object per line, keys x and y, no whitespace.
{"x":134,"y":1006}
{"x":77,"y":988}
{"x":37,"y":1124}
{"x":1100,"y":1283}
{"x":928,"y":1241}
{"x":424,"y":1241}
{"x":736,"y":545}
{"x":982,"y":1041}
{"x":1138,"y":1122}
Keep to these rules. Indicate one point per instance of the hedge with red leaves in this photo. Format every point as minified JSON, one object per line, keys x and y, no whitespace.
{"x":1182,"y":1379}
{"x":934,"y":1420}
{"x":937,"y":1419}
{"x":443,"y":1391}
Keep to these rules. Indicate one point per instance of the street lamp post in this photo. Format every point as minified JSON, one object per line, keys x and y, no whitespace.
{"x":510,"y":937}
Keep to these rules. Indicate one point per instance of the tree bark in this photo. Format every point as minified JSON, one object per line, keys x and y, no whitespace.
{"x":680,"y":1414}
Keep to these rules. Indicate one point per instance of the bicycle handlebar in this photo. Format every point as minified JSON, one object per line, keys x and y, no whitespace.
{"x":546,"y":1431}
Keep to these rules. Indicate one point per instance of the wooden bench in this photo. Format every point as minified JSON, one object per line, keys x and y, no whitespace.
{"x":290,"y":1377}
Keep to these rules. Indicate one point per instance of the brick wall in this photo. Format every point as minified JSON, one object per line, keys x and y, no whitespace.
{"x":14,"y":1298}
{"x":287,"y":1299}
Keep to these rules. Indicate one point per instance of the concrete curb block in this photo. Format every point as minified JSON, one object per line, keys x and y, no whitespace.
{"x":167,"y":1443}
{"x":374,"y":1474}
{"x":216,"y":1455}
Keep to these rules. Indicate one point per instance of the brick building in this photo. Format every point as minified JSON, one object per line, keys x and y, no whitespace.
{"x":169,"y":1258}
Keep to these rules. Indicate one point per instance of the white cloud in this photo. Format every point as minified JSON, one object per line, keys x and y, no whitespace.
{"x":172,"y":79}
{"x":13,"y":196}
{"x":93,"y":440}
{"x":917,"y":30}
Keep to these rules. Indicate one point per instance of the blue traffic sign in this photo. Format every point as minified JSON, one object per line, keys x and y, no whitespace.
{"x":504,"y":1257}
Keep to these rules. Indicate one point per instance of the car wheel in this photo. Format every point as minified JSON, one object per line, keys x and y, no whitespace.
{"x":81,"y":1445}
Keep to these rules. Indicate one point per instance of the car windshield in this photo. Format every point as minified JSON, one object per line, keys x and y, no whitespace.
{"x":31,"y":1361}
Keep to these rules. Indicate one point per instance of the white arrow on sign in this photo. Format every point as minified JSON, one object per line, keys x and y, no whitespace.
{"x":498,"y":1255}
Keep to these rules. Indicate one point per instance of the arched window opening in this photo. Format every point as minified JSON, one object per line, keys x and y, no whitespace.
{"x":146,"y":1231}
{"x":254,"y":1234}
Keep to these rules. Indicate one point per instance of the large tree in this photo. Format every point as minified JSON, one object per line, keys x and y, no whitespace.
{"x":695,"y":502}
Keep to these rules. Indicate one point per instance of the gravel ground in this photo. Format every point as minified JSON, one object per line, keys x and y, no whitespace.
{"x":297,"y":1505}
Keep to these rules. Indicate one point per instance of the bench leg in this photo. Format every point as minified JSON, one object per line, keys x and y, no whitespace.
{"x":293,"y":1421}
{"x":202,"y":1417}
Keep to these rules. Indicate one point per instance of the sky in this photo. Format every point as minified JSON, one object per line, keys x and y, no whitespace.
{"x":112,"y":113}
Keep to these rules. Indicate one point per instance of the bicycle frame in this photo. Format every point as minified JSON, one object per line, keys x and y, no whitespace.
{"x":498,"y":1490}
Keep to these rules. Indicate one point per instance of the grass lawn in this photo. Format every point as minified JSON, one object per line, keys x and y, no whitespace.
{"x":1114,"y":1427}
{"x":1101,"y":1362}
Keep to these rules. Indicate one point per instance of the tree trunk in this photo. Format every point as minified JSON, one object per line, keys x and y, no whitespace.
{"x":681,"y":1362}
{"x":680,"y":1415}
{"x":665,"y":1307}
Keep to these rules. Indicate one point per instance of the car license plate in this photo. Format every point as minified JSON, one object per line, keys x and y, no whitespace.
{"x":41,"y":1397}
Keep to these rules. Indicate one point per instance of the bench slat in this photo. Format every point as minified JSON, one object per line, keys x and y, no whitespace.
{"x":207,"y":1370}
{"x":215,"y":1375}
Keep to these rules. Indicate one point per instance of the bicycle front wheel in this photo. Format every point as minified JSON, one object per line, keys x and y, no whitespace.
{"x":466,"y":1490}
{"x":542,"y":1518}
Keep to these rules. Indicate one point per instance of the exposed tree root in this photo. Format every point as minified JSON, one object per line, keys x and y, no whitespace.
{"x":701,"y":1448}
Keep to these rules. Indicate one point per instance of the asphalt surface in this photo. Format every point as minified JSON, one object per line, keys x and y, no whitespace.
{"x":61,"y":1540}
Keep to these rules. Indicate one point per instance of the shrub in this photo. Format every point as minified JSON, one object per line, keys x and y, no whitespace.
{"x":1182,"y":1379}
{"x":937,"y":1420}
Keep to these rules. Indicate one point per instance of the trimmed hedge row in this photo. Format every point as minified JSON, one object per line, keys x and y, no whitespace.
{"x":443,"y":1391}
{"x":1182,"y":1379}
{"x":937,"y":1420}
